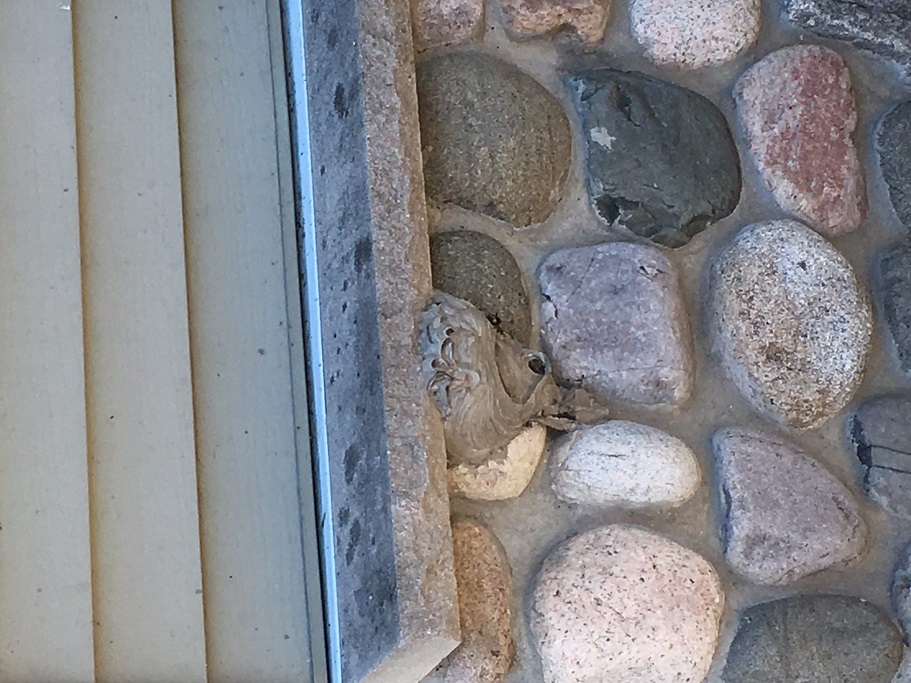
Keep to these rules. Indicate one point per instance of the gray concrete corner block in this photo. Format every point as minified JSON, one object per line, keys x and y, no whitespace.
{"x":396,"y":590}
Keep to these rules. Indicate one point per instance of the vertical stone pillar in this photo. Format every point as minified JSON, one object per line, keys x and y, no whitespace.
{"x":392,"y":608}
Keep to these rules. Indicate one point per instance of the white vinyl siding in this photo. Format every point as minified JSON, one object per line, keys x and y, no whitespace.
{"x":153,"y":413}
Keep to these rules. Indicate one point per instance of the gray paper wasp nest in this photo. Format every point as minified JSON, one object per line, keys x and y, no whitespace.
{"x":487,"y":386}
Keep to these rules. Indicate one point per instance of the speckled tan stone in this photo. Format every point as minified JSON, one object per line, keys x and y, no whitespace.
{"x":695,"y":33}
{"x":797,"y":109}
{"x":501,"y":479}
{"x":621,"y":603}
{"x":587,"y":19}
{"x":484,"y":581}
{"x":446,"y":22}
{"x":790,"y":322}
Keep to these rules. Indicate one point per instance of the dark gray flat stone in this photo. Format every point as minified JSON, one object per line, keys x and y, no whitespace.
{"x":814,"y":639}
{"x":660,"y":159}
{"x":893,"y":274}
{"x":880,"y":431}
{"x":494,"y":140}
{"x":882,"y":27}
{"x":893,"y":144}
{"x":480,"y":270}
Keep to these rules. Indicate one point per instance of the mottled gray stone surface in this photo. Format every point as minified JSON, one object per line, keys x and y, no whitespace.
{"x":784,"y":515}
{"x":477,"y":268}
{"x":893,"y":145}
{"x":368,"y":611}
{"x":790,"y":322}
{"x":880,"y":431}
{"x":660,"y":159}
{"x":613,"y":321}
{"x":901,"y":590}
{"x":494,"y":140}
{"x":882,"y":27}
{"x":814,"y":639}
{"x":893,"y":272}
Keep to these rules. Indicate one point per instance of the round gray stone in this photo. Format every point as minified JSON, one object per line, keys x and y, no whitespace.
{"x":785,"y":515}
{"x":494,"y":140}
{"x":480,"y":270}
{"x":612,"y":321}
{"x":660,"y":159}
{"x":893,"y":144}
{"x":790,"y":322}
{"x":814,"y":639}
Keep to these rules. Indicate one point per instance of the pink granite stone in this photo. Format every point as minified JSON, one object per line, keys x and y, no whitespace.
{"x":586,"y":18}
{"x":446,"y":22}
{"x":797,"y":109}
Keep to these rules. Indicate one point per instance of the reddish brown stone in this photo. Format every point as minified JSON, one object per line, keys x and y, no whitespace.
{"x":446,"y":22}
{"x":586,"y":18}
{"x":797,"y":109}
{"x":484,"y":580}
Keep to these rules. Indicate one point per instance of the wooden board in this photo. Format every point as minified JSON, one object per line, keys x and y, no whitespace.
{"x":243,"y":338}
{"x":145,"y":529}
{"x":45,"y":574}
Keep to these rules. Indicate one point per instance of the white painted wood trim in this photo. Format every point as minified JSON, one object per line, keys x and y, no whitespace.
{"x":45,"y":572}
{"x":145,"y":530}
{"x":243,"y":330}
{"x":297,"y":335}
